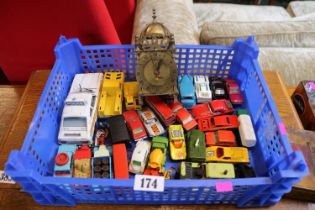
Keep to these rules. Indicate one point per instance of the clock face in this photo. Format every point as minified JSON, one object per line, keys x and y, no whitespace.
{"x":156,"y":72}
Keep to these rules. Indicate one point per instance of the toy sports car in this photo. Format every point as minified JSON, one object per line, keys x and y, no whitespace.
{"x":151,"y":123}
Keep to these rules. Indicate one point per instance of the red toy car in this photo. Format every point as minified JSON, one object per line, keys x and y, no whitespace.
{"x":234,"y":92}
{"x":160,"y":108}
{"x":135,"y":125}
{"x":218,"y":122}
{"x":220,"y":138}
{"x":220,"y":107}
{"x":183,"y":116}
{"x":214,"y":108}
{"x":201,"y":111}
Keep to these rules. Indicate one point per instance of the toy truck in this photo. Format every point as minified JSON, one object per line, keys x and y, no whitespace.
{"x":157,"y":156}
{"x":191,"y":170}
{"x":111,"y":96}
{"x":177,"y":142}
{"x":220,"y":170}
{"x":196,"y":146}
{"x":80,"y":110}
{"x":102,"y":163}
{"x":227,"y":154}
{"x":131,"y":95}
{"x":64,"y":160}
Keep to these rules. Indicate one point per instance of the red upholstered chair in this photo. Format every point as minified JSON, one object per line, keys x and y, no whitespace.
{"x":31,"y":29}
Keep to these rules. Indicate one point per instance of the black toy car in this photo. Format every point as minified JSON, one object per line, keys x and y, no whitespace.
{"x":217,"y":88}
{"x":118,"y":129}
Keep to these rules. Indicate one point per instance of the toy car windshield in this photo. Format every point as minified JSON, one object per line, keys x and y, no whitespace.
{"x":219,"y":91}
{"x":234,"y":90}
{"x":77,"y":122}
{"x":149,"y":121}
{"x":187,"y":120}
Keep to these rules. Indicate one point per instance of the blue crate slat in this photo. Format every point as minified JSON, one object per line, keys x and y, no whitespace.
{"x":277,"y":167}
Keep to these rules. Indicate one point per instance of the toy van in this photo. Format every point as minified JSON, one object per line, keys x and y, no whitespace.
{"x":80,"y":110}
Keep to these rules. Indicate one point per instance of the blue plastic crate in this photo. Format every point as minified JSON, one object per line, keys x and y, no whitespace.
{"x":276,"y":165}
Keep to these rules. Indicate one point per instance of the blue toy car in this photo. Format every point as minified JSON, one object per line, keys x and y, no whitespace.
{"x":186,"y":91}
{"x":64,"y":160}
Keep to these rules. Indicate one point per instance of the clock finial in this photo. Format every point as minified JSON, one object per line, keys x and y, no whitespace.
{"x":154,"y":15}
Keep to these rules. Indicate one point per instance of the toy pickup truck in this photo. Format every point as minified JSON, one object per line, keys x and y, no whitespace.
{"x":110,"y":103}
{"x":131,"y":95}
{"x":80,"y":110}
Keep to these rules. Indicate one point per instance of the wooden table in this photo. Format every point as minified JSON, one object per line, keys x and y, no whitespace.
{"x":11,"y":198}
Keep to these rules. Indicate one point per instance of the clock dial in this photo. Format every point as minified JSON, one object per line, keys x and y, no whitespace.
{"x":156,"y":73}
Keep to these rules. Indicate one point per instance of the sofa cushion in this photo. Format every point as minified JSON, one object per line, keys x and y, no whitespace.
{"x":294,"y":64}
{"x":177,"y":15}
{"x":299,"y":8}
{"x":267,"y":34}
{"x":209,"y":12}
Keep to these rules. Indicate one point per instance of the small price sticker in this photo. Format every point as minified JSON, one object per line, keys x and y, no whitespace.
{"x":4,"y":178}
{"x":149,"y":183}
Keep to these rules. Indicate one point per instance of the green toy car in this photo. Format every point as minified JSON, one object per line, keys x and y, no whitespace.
{"x":196,"y":146}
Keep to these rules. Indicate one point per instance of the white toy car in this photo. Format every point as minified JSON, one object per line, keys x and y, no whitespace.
{"x":200,"y":79}
{"x":203,"y":92}
{"x":80,"y":110}
{"x":151,"y":123}
{"x":139,"y":157}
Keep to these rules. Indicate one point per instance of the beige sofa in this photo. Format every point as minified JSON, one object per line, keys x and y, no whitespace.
{"x":287,"y":42}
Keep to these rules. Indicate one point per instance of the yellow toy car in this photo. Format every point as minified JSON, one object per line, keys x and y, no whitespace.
{"x":227,"y":154}
{"x":131,"y":95}
{"x":110,"y":103}
{"x":177,"y":142}
{"x":220,"y":170}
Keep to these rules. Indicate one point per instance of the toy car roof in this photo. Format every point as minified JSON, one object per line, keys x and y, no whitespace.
{"x":77,"y":104}
{"x":87,"y":82}
{"x":186,"y":86}
{"x":118,"y":129}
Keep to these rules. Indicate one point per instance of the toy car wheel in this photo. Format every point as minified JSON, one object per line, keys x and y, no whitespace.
{"x":62,"y":159}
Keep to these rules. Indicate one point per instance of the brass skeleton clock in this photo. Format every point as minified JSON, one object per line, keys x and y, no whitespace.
{"x":156,"y":67}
